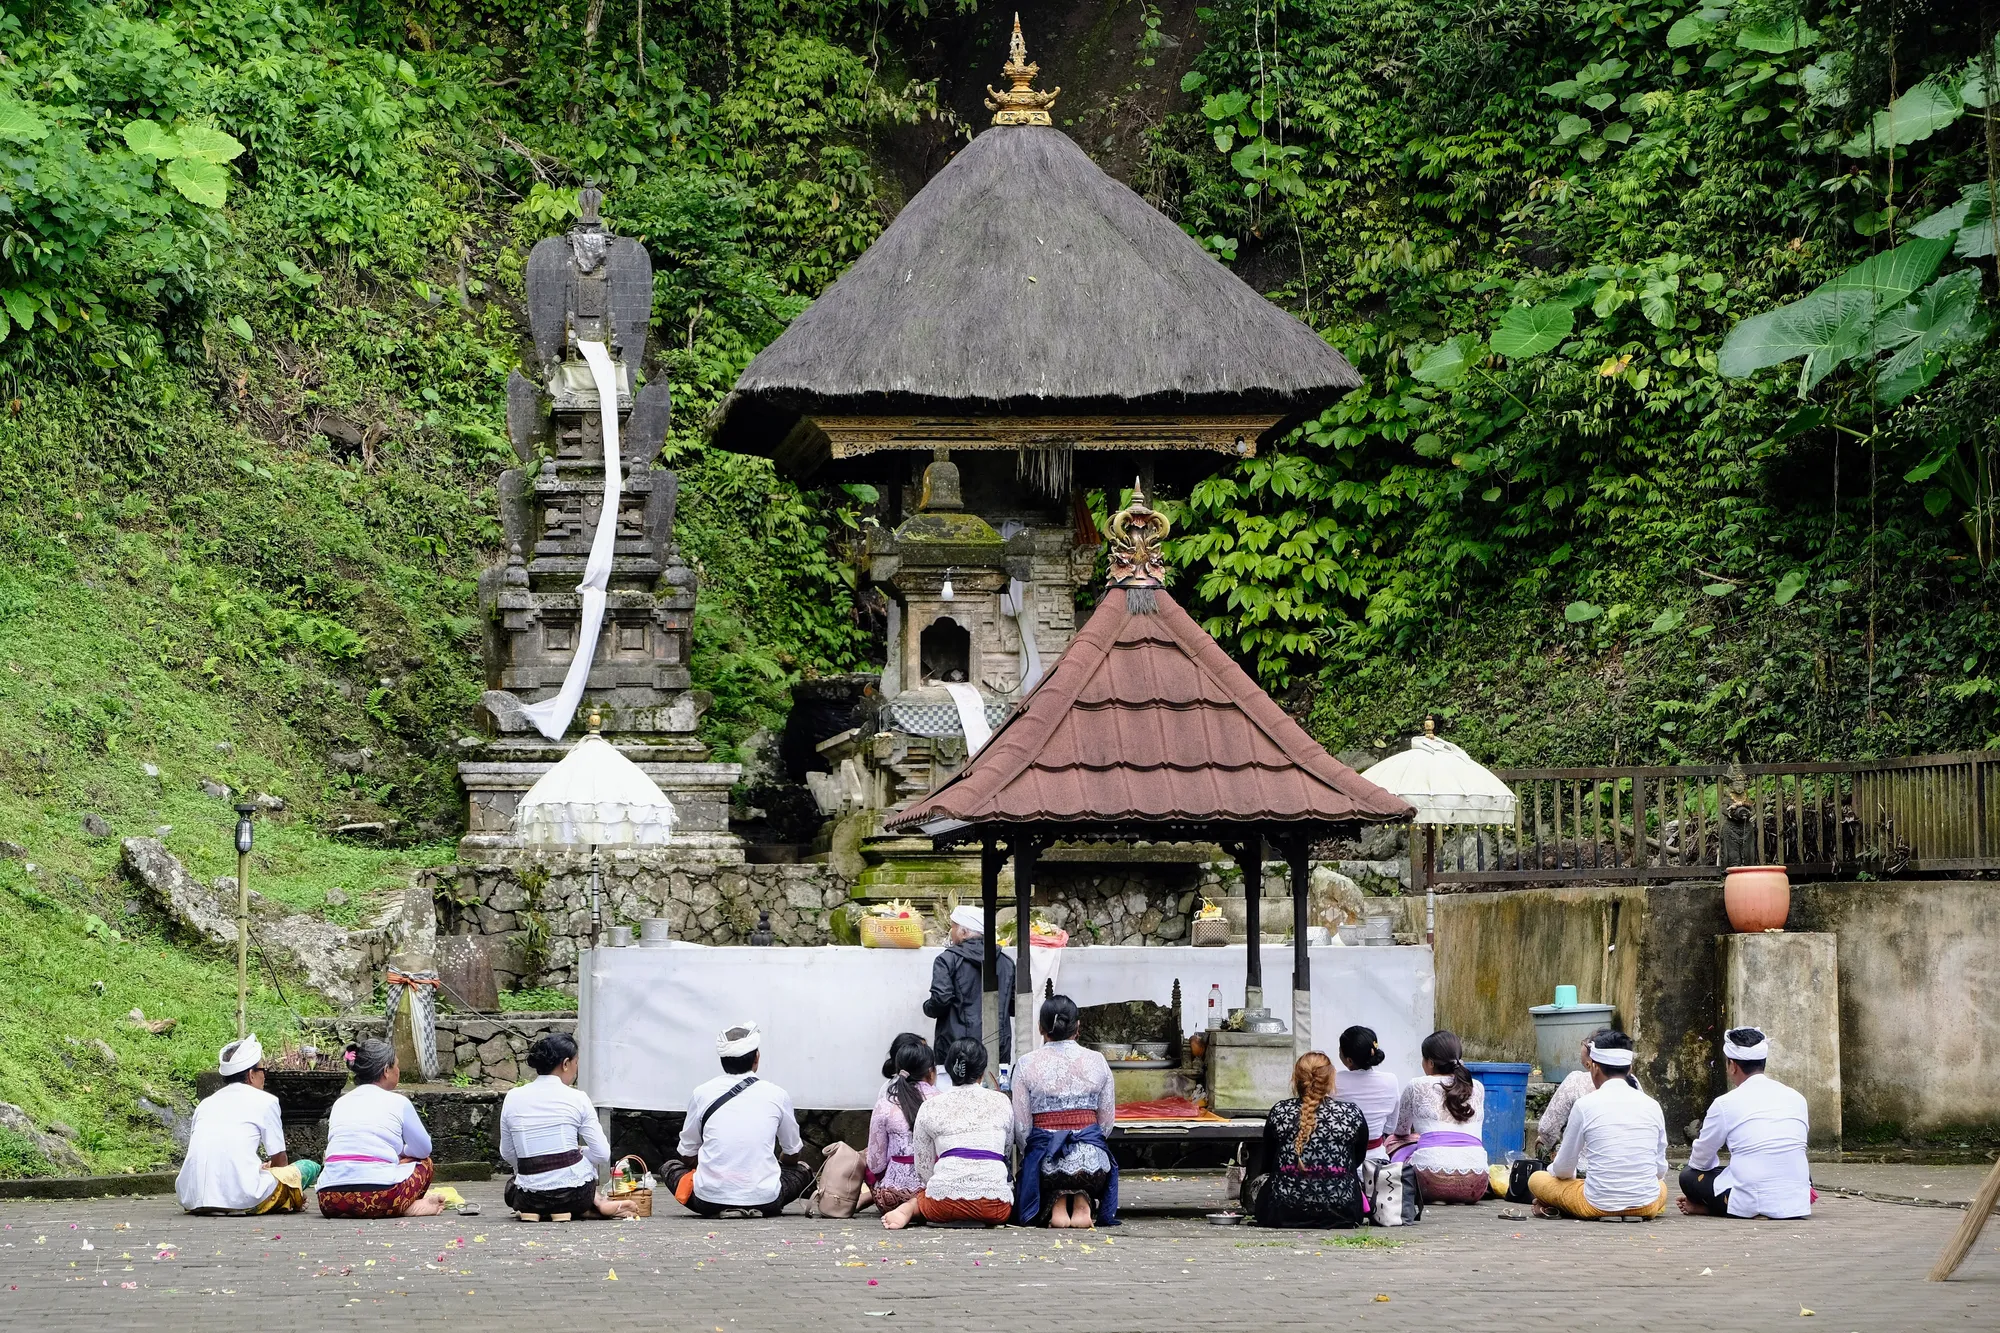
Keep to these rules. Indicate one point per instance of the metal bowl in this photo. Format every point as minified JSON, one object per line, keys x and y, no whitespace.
{"x":1114,"y":1050}
{"x":1152,"y":1050}
{"x":1224,"y":1219}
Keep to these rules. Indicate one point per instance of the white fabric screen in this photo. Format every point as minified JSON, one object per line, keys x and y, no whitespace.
{"x":650,"y":1015}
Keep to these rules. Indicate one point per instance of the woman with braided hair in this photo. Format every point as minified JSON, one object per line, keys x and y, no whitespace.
{"x":1308,"y":1166}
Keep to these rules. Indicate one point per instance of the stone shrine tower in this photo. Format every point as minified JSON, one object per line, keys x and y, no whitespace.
{"x":1027,"y":333}
{"x":589,"y":285}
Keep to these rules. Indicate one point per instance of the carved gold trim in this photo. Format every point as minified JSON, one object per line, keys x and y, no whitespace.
{"x":1020,"y":105}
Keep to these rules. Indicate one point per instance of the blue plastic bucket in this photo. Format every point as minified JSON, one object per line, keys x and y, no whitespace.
{"x":1506,"y":1105}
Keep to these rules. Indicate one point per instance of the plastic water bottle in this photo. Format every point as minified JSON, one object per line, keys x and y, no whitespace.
{"x":1215,"y":1007}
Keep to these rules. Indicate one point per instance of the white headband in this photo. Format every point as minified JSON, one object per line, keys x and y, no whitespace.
{"x":1761,"y":1051}
{"x":969,"y":919}
{"x":738,"y":1041}
{"x":238,"y":1056}
{"x":1611,"y":1057}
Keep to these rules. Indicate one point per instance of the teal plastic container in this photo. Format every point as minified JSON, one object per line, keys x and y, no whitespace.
{"x":1506,"y":1120}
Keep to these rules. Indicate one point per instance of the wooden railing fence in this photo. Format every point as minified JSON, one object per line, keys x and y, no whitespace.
{"x":1931,"y":814}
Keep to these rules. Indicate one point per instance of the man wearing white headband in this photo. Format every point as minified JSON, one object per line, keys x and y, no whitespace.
{"x":234,"y":1128}
{"x":1763,"y":1125}
{"x":737,"y":1125}
{"x":956,"y":979}
{"x":1624,"y":1134}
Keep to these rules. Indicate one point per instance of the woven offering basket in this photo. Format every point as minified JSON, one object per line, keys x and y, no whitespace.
{"x":643,"y":1198}
{"x":892,"y":932}
{"x":1209,"y":933}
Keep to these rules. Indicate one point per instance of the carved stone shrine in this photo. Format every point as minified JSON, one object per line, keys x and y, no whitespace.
{"x":589,"y":286}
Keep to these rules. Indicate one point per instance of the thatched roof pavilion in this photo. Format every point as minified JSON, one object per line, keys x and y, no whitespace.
{"x":1024,"y":298}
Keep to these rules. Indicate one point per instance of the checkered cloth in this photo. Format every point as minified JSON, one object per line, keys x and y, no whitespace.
{"x":934,"y":719}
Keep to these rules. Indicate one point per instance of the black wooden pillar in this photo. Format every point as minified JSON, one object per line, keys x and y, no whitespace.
{"x":991,"y":858}
{"x":1250,"y":855}
{"x":1026,"y":852}
{"x":1299,"y":854}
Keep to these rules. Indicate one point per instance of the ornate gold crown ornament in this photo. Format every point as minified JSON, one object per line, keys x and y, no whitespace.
{"x":1136,"y":532}
{"x":1020,"y":105}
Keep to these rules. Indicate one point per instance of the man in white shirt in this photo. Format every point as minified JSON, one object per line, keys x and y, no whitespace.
{"x":727,"y":1161}
{"x":1624,"y":1134}
{"x":1763,"y":1125}
{"x":549,"y":1134}
{"x":236,"y":1128}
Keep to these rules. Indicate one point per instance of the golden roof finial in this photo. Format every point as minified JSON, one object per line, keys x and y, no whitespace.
{"x":1020,"y":105}
{"x":1136,"y":532}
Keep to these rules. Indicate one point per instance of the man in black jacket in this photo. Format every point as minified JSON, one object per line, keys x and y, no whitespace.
{"x":955,"y":986}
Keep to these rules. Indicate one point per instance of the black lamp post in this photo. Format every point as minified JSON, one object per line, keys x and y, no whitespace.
{"x":244,"y":835}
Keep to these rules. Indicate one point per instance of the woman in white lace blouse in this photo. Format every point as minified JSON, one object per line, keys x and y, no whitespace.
{"x":1064,"y":1103}
{"x":1439,"y":1124}
{"x":960,"y":1142}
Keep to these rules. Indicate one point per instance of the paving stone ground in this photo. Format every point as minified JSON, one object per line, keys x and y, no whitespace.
{"x":133,"y":1264}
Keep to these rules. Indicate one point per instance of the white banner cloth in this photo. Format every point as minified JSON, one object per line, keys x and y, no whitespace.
{"x":649,"y":1016}
{"x":552,"y":716}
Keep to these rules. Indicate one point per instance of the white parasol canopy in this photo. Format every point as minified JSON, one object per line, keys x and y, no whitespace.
{"x":595,"y":797}
{"x":1444,"y":783}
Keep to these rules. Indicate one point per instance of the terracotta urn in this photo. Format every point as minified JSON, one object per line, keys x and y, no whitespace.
{"x":1757,"y":898}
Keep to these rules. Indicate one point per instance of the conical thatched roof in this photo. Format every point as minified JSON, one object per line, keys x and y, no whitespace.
{"x":1024,"y":280}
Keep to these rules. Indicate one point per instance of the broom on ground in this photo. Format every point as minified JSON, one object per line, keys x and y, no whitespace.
{"x":1968,"y":1230}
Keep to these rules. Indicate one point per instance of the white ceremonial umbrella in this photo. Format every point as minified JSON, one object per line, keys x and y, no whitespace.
{"x":594,"y":797}
{"x":1446,"y":786}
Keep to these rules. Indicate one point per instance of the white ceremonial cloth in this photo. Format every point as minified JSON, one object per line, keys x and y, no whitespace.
{"x":647,"y":1031}
{"x":548,"y":1116}
{"x":552,"y":715}
{"x":222,"y":1168}
{"x":378,"y":1126}
{"x":971,"y":716}
{"x":1763,"y":1125}
{"x":736,"y":1164}
{"x":1624,"y":1132}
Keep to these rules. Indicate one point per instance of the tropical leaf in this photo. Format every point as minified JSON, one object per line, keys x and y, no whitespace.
{"x":19,"y":122}
{"x":1578,"y":612}
{"x":1825,"y":327}
{"x":148,"y":139}
{"x":1773,"y":35}
{"x":241,"y":328}
{"x":199,"y":181}
{"x":1689,"y":30}
{"x":1943,"y":319}
{"x":1446,"y":364}
{"x":1970,"y":220}
{"x":1894,"y":275}
{"x":1916,"y":115}
{"x":20,"y":305}
{"x":210,"y":145}
{"x":1789,"y":587}
{"x":1531,"y":330}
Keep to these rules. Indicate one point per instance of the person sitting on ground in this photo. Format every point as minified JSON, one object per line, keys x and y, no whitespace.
{"x":1763,"y":1125}
{"x":957,"y":998}
{"x":737,"y":1125}
{"x":236,"y":1160}
{"x":1438,"y":1124}
{"x":892,"y":1167}
{"x":549,"y":1134}
{"x":1549,"y":1129}
{"x":1308,"y":1168}
{"x":960,"y":1143}
{"x":378,"y":1154}
{"x":1376,"y":1091}
{"x":1064,"y":1103}
{"x":1624,"y":1134}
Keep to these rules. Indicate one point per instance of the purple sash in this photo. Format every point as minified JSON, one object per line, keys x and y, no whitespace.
{"x":976,"y":1154}
{"x":1438,"y":1138}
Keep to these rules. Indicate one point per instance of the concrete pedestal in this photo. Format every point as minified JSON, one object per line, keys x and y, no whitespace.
{"x":1788,"y":984}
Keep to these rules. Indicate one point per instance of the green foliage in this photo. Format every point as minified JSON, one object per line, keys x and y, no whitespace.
{"x":1533,"y":229}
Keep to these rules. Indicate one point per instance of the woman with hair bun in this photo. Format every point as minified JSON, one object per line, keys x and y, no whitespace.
{"x":1307,"y":1172}
{"x":378,"y":1153}
{"x":1064,"y":1103}
{"x":549,"y":1134}
{"x":1438,"y":1124}
{"x":960,"y":1142}
{"x":1375,"y":1090}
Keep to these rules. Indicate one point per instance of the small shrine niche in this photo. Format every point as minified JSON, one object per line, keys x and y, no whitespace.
{"x":946,"y":652}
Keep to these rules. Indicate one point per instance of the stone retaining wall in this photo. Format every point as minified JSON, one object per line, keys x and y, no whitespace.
{"x":543,"y":906}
